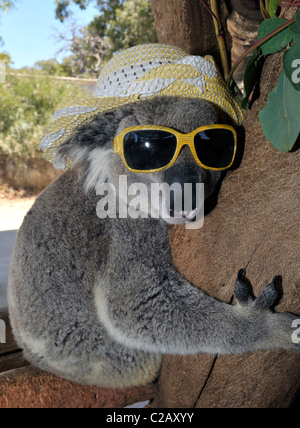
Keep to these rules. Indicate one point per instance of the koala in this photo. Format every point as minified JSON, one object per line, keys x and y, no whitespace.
{"x":99,"y":301}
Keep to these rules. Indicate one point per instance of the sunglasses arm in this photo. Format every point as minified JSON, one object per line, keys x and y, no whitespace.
{"x":117,"y":144}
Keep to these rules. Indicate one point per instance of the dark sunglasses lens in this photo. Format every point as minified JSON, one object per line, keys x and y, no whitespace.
{"x":146,"y":150}
{"x":215,"y":148}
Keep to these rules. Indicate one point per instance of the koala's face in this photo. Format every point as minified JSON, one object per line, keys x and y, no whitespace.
{"x":91,"y":149}
{"x":182,"y":204}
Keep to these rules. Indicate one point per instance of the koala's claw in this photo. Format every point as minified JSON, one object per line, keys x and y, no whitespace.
{"x":243,"y":289}
{"x":268,"y":299}
{"x":271,"y":295}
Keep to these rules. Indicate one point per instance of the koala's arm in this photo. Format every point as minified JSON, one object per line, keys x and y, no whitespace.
{"x":158,"y":310}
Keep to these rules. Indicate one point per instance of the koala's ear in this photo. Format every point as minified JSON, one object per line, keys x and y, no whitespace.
{"x":89,"y":149}
{"x":96,"y":134}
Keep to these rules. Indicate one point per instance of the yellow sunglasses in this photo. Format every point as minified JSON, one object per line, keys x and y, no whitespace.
{"x":153,"y":148}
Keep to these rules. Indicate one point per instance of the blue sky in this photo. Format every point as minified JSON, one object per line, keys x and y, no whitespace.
{"x":29,"y":30}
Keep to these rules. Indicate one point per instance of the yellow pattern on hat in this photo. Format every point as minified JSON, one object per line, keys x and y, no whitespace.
{"x":139,"y":73}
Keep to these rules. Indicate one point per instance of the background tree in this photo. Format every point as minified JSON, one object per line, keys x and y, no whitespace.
{"x":5,"y":6}
{"x":87,"y":47}
{"x":4,"y":56}
{"x":121,"y":23}
{"x":50,"y":66}
{"x":132,"y":24}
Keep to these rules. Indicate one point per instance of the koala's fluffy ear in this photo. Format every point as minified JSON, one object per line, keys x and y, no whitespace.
{"x":89,"y":148}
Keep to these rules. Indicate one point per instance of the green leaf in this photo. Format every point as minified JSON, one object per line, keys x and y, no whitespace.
{"x":280,"y":118}
{"x":295,"y":28}
{"x":295,"y":31}
{"x":298,"y":18}
{"x":273,"y":7}
{"x":251,"y":75}
{"x":279,"y":41}
{"x":291,"y":65}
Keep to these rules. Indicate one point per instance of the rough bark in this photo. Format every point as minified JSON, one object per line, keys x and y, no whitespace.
{"x":249,"y":9}
{"x":188,"y":25}
{"x":258,"y":209}
{"x":32,"y":389}
{"x":243,"y":31}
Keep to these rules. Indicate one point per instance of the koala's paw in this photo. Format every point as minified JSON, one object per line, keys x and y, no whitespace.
{"x":269,"y":298}
{"x":282,"y":327}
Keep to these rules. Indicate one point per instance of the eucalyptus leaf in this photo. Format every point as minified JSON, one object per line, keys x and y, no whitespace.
{"x":280,"y":118}
{"x":298,"y":18}
{"x":251,"y":75}
{"x":291,"y":65}
{"x":295,"y":28}
{"x":279,"y":41}
{"x":295,"y":31}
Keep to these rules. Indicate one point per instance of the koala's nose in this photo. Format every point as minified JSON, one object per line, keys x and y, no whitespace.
{"x":183,"y":174}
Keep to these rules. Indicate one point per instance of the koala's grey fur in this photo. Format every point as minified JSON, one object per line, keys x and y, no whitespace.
{"x":99,"y":301}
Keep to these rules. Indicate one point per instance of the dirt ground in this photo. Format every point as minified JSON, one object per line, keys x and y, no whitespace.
{"x":13,"y":207}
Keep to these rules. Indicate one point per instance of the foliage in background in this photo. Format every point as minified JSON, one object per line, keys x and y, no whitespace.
{"x":88,"y":50}
{"x":4,"y":56}
{"x":121,"y":23}
{"x":52,"y":67}
{"x":5,"y":6}
{"x":128,"y":24}
{"x":27,"y":106}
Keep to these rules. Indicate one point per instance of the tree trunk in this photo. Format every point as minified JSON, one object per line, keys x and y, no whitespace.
{"x":257,"y":220}
{"x":188,"y":25}
{"x":245,"y":18}
{"x":249,"y":9}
